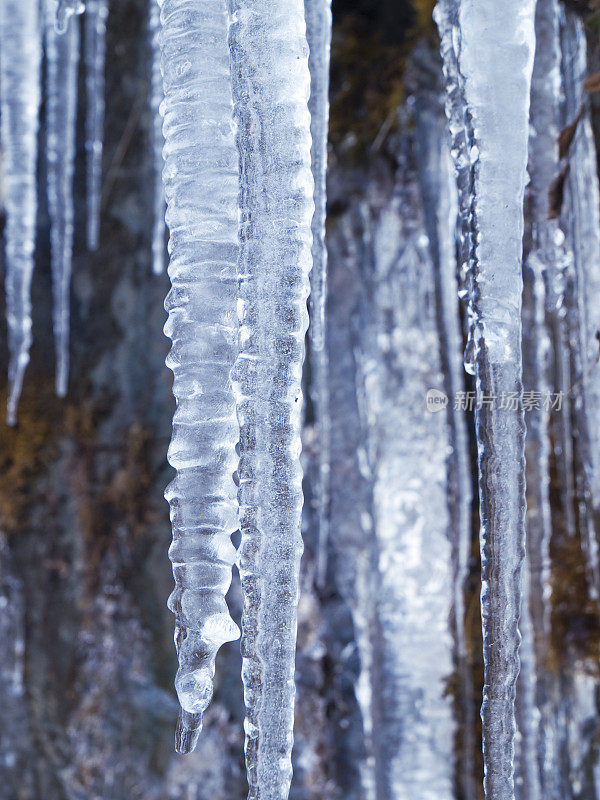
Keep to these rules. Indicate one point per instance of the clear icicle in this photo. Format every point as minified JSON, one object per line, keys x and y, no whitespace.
{"x":528,"y":784}
{"x":538,"y":757}
{"x":318,"y":31}
{"x":271,"y":85}
{"x":66,"y":9}
{"x":440,"y":201}
{"x":446,"y":18}
{"x":156,"y":96}
{"x":96,"y":13}
{"x":495,"y":59}
{"x":201,"y":188}
{"x":62,"y":58}
{"x":404,"y":579}
{"x":20,"y":53}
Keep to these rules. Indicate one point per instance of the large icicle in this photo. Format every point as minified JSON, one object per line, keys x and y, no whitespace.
{"x":157,"y":138}
{"x":495,"y":59}
{"x":20,"y":52}
{"x":271,"y":85}
{"x":62,"y":58}
{"x":318,"y":31}
{"x":96,"y":12}
{"x":201,"y":188}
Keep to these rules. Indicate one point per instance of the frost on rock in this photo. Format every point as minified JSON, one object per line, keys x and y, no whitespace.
{"x":201,"y":188}
{"x":20,"y":53}
{"x":492,"y":61}
{"x":318,"y":31}
{"x":271,"y":86}
{"x":96,"y":13}
{"x":62,"y":59}
{"x":157,"y":139}
{"x":14,"y":720}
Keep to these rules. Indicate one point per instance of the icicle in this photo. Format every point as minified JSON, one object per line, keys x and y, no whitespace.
{"x":581,"y":215}
{"x":19,"y":104}
{"x":318,"y":31}
{"x":271,"y":85}
{"x":66,"y":9}
{"x":96,"y":13}
{"x":548,"y":252}
{"x":156,"y":96}
{"x":438,"y":187}
{"x":201,"y":188}
{"x":495,"y":58}
{"x":404,"y":584}
{"x":527,"y":715}
{"x":536,"y":715}
{"x":62,"y":58}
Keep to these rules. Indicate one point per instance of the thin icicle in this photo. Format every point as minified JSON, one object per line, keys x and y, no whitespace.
{"x":66,"y":9}
{"x":62,"y":58}
{"x":271,"y":85}
{"x":581,"y":216}
{"x":527,"y":774}
{"x":495,"y":59}
{"x":156,"y":96}
{"x":20,"y":53}
{"x":446,"y":18}
{"x":440,"y":200}
{"x":96,"y":12}
{"x":201,"y":188}
{"x":318,"y":32}
{"x":543,"y":327}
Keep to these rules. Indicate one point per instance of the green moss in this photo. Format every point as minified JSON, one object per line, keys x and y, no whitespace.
{"x":368,"y":73}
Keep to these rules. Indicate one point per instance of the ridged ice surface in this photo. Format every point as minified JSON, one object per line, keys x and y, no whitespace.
{"x":495,"y":59}
{"x":157,"y":139}
{"x":20,"y":49}
{"x":65,"y":10}
{"x":463,"y":155}
{"x":271,"y":86}
{"x":318,"y":32}
{"x":404,"y":582}
{"x":96,"y":13}
{"x":62,"y":59}
{"x":201,"y":188}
